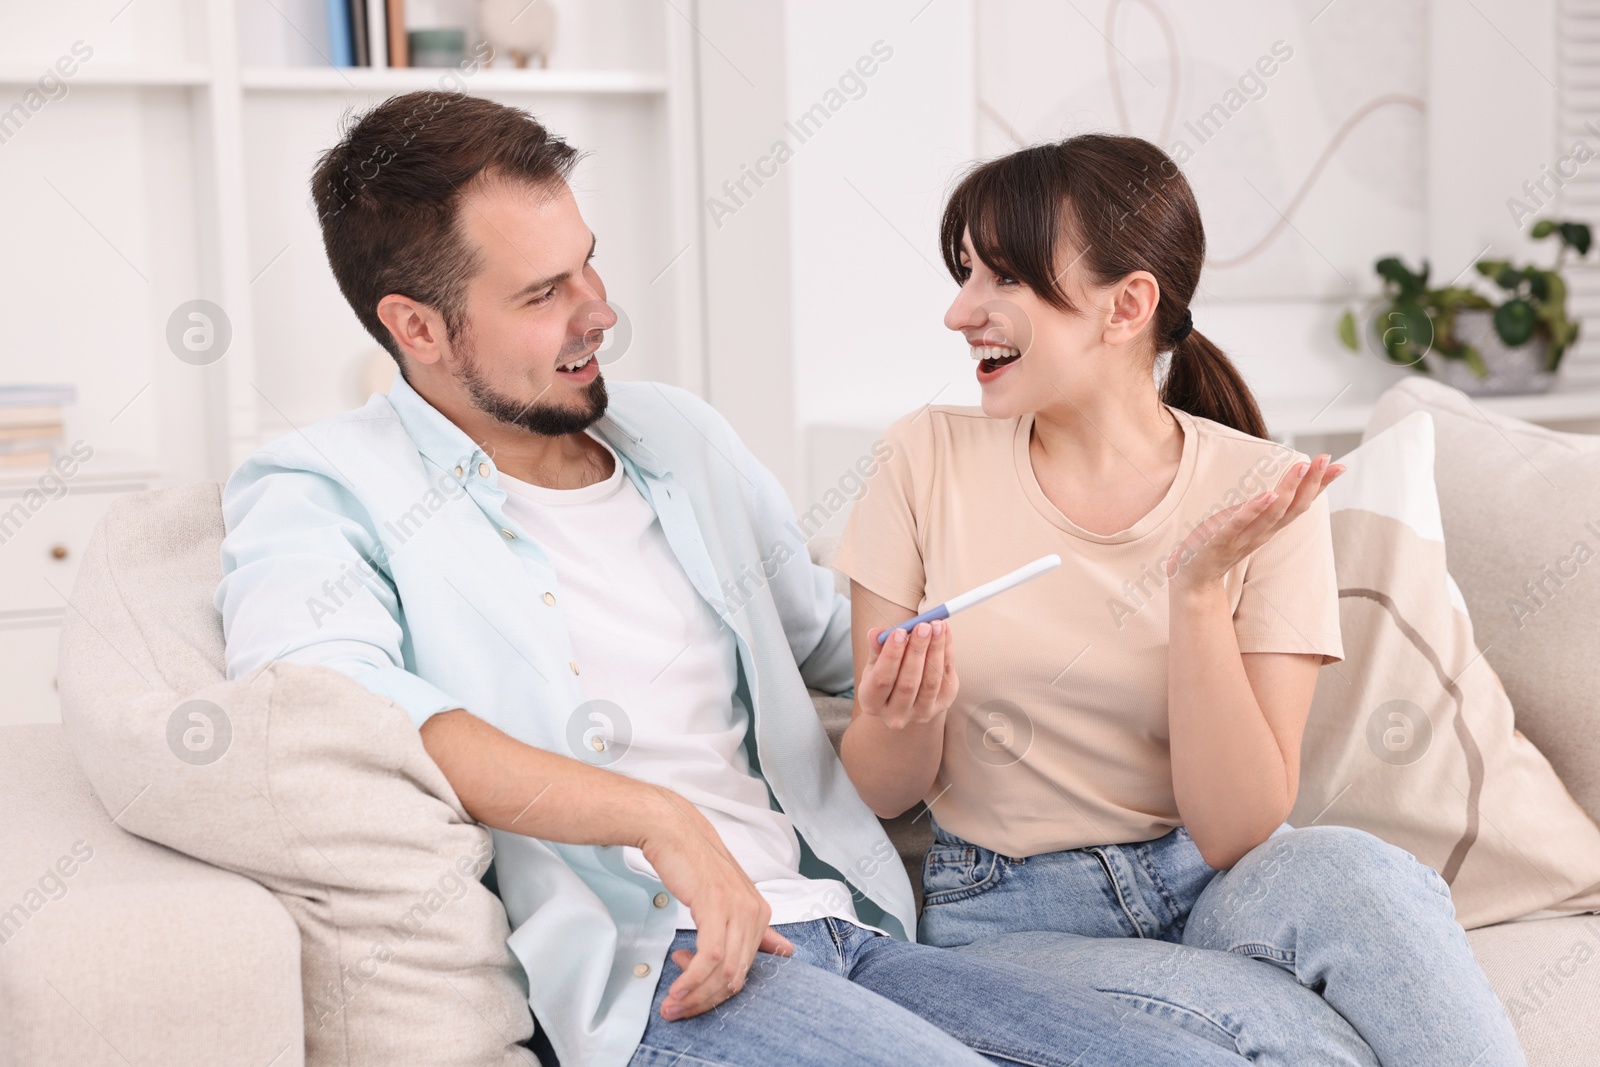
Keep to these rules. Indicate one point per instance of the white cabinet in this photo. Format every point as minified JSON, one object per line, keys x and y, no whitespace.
{"x":45,"y":524}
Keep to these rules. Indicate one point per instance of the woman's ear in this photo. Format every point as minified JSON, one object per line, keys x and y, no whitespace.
{"x":1133,"y":307}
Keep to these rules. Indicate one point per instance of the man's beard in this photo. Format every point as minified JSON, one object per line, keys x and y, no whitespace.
{"x":548,"y":420}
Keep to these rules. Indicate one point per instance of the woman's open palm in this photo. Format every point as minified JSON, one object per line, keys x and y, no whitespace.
{"x":1217,"y":545}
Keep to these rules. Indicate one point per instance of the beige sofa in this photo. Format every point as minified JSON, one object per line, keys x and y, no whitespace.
{"x":117,"y":950}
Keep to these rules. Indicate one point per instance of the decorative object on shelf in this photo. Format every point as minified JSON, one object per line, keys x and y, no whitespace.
{"x":1468,"y":340}
{"x":32,"y":427}
{"x":524,"y":29}
{"x":442,"y":46}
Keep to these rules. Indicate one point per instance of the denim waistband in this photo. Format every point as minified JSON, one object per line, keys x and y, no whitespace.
{"x":1170,"y":838}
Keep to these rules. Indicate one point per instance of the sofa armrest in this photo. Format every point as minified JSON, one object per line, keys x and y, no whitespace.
{"x":116,"y":950}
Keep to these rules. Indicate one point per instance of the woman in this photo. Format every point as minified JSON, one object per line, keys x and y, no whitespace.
{"x":1110,"y":775}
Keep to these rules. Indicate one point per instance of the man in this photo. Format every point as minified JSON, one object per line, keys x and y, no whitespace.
{"x":534,"y":570}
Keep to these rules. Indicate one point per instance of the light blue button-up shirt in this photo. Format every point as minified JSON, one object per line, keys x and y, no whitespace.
{"x":377,"y":543}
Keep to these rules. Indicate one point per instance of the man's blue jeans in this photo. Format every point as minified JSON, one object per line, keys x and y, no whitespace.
{"x":1322,"y":945}
{"x":849,"y":996}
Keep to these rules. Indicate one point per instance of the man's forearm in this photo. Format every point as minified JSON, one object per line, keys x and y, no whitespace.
{"x":512,"y":786}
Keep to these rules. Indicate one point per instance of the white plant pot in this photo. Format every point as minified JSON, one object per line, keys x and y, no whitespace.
{"x":1511,"y":370}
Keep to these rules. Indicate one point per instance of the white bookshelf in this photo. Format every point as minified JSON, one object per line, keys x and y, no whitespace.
{"x":178,"y":167}
{"x":119,"y":76}
{"x":408,"y":79}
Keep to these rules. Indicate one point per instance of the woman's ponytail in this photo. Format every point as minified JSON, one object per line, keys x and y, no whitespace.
{"x":1204,"y":382}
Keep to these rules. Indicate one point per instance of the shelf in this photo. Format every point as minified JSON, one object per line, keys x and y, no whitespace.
{"x":401,"y":79}
{"x":103,"y":472}
{"x":155,"y":75}
{"x":1295,"y":418}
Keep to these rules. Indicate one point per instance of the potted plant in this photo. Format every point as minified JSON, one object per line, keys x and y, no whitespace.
{"x":1512,"y":344}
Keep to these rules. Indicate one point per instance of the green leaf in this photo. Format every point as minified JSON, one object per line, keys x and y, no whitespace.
{"x":1491,"y":267}
{"x":1577,"y":236}
{"x":1553,"y":357}
{"x":1538,"y":282}
{"x":1508,"y":278}
{"x":1555,"y":291}
{"x":1542,"y":228}
{"x":1514,"y":322}
{"x":1475,"y":361}
{"x":1397,"y":274}
{"x":1407,"y":332}
{"x":1347,"y":331}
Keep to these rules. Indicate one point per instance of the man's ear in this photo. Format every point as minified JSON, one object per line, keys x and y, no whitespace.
{"x":417,"y":328}
{"x":1133,"y":307}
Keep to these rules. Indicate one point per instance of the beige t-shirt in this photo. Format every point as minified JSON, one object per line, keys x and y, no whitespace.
{"x":1058,"y":738}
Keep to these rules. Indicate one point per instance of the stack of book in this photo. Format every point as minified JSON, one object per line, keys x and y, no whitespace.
{"x":367,"y":33}
{"x":31,"y":425}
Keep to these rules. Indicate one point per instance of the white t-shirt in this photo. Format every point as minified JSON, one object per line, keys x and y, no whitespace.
{"x":658,"y":669}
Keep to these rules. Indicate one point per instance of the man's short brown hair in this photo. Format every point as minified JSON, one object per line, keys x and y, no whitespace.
{"x":388,"y":197}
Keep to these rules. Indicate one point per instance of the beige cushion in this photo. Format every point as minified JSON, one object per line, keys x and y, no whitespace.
{"x":298,"y":778}
{"x":1411,"y":737}
{"x":1521,"y":504}
{"x":114,"y":950}
{"x":1547,"y":973}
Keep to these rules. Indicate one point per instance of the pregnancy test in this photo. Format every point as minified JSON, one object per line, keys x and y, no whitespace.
{"x":980,"y":594}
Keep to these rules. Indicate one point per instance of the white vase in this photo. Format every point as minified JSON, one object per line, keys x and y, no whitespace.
{"x":1511,"y":370}
{"x":522,"y":29}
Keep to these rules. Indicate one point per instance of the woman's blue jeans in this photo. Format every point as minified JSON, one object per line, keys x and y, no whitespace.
{"x":1322,"y":945}
{"x":851,"y":996}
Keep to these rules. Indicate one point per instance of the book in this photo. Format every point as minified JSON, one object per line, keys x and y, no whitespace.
{"x":39,"y":457}
{"x":54,"y":431}
{"x":30,"y":415}
{"x":340,"y":51}
{"x":395,"y":17}
{"x":360,"y":42}
{"x":15,"y":396}
{"x":377,"y":33}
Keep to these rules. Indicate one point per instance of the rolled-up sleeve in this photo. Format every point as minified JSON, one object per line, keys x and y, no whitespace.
{"x":305,"y":580}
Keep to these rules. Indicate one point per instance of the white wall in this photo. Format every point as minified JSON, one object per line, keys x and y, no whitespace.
{"x":824,"y":291}
{"x":870,"y":289}
{"x":1488,"y":135}
{"x":97,"y":185}
{"x":749,"y":305}
{"x":1425,"y":176}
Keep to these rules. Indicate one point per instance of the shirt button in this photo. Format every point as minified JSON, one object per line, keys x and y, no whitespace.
{"x":574,"y":666}
{"x":509,"y":535}
{"x":483,"y":470}
{"x":460,"y":471}
{"x":661,"y":900}
{"x":550,"y":598}
{"x":641,"y":970}
{"x":597,"y":743}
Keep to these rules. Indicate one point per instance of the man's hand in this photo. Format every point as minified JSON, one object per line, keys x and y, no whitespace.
{"x":909,"y":680}
{"x":730,"y":914}
{"x":515,"y":787}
